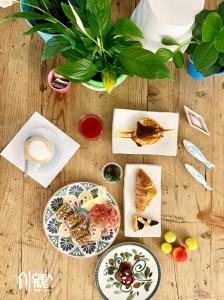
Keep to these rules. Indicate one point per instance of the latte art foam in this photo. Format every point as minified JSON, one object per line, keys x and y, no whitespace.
{"x":38,"y":150}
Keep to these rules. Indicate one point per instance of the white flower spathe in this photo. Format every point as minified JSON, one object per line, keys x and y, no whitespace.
{"x":6,"y":3}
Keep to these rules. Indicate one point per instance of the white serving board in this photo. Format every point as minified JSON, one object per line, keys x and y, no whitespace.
{"x":153,"y":211}
{"x":125,"y":119}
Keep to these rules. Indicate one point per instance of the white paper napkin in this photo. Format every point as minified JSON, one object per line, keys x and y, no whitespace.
{"x":65,"y":148}
{"x":153,"y":211}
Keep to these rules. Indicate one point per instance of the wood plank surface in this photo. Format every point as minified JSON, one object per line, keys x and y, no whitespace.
{"x":186,"y":207}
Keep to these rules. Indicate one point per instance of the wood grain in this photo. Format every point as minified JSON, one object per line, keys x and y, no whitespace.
{"x":186,"y":207}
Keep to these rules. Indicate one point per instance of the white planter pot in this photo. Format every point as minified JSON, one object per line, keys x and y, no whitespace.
{"x":161,"y":18}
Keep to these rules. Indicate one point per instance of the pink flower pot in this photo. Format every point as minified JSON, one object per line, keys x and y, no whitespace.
{"x":50,"y":80}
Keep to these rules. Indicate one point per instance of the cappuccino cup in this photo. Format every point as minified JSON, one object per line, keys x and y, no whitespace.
{"x":38,"y":150}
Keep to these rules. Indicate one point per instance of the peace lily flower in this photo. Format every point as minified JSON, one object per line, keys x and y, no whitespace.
{"x":109,"y":79}
{"x":6,"y":3}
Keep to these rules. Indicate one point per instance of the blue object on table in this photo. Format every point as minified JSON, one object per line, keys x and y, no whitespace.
{"x":195,"y":152}
{"x":195,"y":74}
{"x":198,"y":177}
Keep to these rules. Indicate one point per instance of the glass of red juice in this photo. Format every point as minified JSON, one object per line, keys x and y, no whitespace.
{"x":91,"y":126}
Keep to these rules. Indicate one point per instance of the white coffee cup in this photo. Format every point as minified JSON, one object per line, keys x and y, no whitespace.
{"x":38,"y":150}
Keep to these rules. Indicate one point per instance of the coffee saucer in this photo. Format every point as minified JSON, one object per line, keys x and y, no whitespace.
{"x":54,"y":139}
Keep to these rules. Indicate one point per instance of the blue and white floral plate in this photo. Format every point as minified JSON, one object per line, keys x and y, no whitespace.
{"x":57,"y":232}
{"x":128,"y":271}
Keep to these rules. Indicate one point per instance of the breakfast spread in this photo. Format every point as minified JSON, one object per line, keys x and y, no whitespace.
{"x":147,"y":131}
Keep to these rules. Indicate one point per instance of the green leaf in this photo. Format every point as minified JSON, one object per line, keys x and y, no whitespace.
{"x":70,"y":54}
{"x":134,"y":251}
{"x":46,"y":27}
{"x":111,"y":270}
{"x":221,"y":10}
{"x":205,"y":55}
{"x":68,"y":12}
{"x":126,"y":27}
{"x":79,"y":21}
{"x":137,"y":275}
{"x":191,"y":48}
{"x":53,"y":46}
{"x":77,"y":71}
{"x":211,"y":27}
{"x":211,"y":70}
{"x":99,"y":17}
{"x":165,"y":54}
{"x":147,"y":272}
{"x":131,"y":296}
{"x":144,"y":63}
{"x":147,"y":285}
{"x":223,"y":85}
{"x":108,"y":286}
{"x":29,"y":15}
{"x":221,"y":61}
{"x":219,"y":41}
{"x":199,"y":21}
{"x":169,"y":41}
{"x":178,"y":59}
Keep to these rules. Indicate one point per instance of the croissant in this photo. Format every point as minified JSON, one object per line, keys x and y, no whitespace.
{"x":145,"y":190}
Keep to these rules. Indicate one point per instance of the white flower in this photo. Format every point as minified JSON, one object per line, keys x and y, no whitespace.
{"x":6,"y":3}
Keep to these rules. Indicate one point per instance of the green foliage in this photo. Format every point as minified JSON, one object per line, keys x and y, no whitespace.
{"x":211,"y":27}
{"x":53,"y":8}
{"x":178,"y":59}
{"x":91,"y":44}
{"x":205,"y":55}
{"x":144,"y":63}
{"x":165,"y":54}
{"x":208,"y":37}
{"x":168,"y":41}
{"x":206,"y":46}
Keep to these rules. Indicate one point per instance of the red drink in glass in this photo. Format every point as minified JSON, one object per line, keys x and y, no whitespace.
{"x":91,"y":126}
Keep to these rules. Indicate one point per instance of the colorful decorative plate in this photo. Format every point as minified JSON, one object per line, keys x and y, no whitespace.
{"x":58,"y":234}
{"x":128,"y":271}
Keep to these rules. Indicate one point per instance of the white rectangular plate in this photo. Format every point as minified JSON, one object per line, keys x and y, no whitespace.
{"x":153,"y":211}
{"x":125,"y":120}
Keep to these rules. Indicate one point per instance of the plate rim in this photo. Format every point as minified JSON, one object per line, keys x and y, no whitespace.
{"x":80,"y":257}
{"x":125,"y":244}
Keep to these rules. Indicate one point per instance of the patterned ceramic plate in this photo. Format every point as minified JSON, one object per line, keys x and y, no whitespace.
{"x":57,"y":233}
{"x":128,"y":271}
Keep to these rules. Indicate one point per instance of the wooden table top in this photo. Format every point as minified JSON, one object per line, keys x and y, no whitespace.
{"x":187,"y":208}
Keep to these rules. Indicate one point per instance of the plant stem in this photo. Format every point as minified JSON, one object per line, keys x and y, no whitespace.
{"x":185,"y":44}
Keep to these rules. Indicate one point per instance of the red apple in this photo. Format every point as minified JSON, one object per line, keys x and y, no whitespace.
{"x":179,"y":253}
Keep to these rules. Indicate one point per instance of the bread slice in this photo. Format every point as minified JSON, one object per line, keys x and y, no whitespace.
{"x":145,"y":190}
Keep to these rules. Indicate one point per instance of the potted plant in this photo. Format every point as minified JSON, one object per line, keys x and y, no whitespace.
{"x":206,"y":48}
{"x":99,"y":54}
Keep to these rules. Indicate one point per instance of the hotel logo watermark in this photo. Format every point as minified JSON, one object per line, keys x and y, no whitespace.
{"x":34,"y":282}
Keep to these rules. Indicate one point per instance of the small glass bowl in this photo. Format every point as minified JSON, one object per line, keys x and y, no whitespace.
{"x":115,"y":165}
